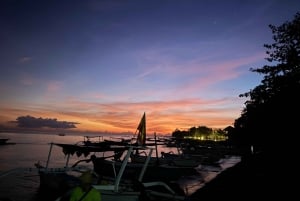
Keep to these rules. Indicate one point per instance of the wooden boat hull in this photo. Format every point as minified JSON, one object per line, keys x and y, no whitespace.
{"x":153,"y":172}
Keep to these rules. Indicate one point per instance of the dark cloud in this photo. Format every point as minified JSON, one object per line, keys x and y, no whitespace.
{"x":33,"y":122}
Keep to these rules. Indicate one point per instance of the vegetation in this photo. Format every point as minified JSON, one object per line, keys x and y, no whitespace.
{"x":269,"y":120}
{"x":201,"y":133}
{"x":268,"y":124}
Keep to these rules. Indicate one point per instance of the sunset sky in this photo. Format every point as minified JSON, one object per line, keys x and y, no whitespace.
{"x":100,"y":64}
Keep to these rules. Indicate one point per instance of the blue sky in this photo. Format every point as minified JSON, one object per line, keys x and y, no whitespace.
{"x":103,"y":63}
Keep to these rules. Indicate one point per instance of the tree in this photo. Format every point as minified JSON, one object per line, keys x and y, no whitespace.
{"x":205,"y":130}
{"x":270,"y":116}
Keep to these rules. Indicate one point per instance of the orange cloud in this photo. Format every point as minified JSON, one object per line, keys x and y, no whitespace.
{"x":161,"y":116}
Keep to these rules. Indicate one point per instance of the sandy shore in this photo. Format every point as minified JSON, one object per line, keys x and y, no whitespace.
{"x":253,"y":178}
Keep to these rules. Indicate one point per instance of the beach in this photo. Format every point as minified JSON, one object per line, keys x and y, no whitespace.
{"x":253,"y":178}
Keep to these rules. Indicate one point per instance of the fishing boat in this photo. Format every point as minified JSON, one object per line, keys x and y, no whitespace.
{"x":100,"y":141}
{"x":5,"y":141}
{"x":58,"y":181}
{"x":161,"y":172}
{"x":168,"y":166}
{"x":116,"y":188}
{"x":111,"y":165}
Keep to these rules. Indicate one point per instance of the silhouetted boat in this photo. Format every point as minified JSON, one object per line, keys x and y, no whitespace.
{"x":99,"y":141}
{"x":4,"y":141}
{"x":123,"y":180}
{"x":114,"y":188}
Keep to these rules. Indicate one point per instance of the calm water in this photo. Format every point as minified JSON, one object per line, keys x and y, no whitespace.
{"x":19,"y":180}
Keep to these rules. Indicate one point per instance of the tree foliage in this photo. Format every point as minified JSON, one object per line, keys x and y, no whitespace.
{"x":270,"y":116}
{"x":198,"y":131}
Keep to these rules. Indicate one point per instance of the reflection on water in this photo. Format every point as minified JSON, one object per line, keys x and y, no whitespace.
{"x":19,"y":185}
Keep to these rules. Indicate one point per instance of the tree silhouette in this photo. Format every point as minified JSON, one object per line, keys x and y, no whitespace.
{"x":269,"y":120}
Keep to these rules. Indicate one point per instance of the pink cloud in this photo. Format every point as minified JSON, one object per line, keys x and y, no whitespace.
{"x":27,"y":79}
{"x":163,"y":116}
{"x":54,"y":86}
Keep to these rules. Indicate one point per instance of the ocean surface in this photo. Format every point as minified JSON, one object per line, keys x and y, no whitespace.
{"x":19,"y":179}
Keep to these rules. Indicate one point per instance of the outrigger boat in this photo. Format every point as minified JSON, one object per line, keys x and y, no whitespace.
{"x":58,"y":181}
{"x":5,"y":141}
{"x":125,"y":180}
{"x":100,"y":141}
{"x":169,"y":166}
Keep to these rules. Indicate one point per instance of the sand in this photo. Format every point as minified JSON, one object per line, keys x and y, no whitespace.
{"x":254,"y":178}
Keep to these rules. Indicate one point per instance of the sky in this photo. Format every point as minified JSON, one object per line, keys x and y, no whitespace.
{"x":98,"y":65}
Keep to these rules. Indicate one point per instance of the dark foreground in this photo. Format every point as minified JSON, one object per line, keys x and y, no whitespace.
{"x":255,"y":177}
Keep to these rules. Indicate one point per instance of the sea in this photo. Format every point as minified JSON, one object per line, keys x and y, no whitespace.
{"x":19,"y":179}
